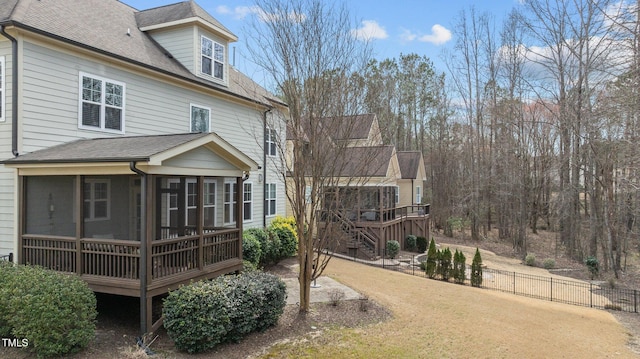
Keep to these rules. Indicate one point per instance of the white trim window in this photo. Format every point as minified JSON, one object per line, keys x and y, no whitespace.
{"x":270,"y":199}
{"x":397,"y":194}
{"x":229,"y":202}
{"x":3,"y":91}
{"x":212,"y":55}
{"x":97,"y":204}
{"x":209,"y":203}
{"x":101,"y":104}
{"x":200,"y":118}
{"x":270,"y":142}
{"x":247,"y":202}
{"x":418,"y":195}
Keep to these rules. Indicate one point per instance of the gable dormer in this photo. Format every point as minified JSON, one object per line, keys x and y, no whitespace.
{"x":191,"y":36}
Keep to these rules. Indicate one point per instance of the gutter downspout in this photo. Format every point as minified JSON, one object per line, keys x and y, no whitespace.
{"x":264,"y":167}
{"x":14,"y":90}
{"x":143,"y":248}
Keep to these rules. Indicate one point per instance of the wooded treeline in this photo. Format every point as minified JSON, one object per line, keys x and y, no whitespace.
{"x":522,"y":138}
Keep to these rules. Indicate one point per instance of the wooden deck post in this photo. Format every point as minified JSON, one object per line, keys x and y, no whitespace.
{"x":79,"y":222}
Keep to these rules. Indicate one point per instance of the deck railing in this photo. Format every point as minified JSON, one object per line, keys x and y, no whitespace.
{"x":115,"y":258}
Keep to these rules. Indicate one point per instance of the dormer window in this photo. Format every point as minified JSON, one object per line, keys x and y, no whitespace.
{"x":212,"y":58}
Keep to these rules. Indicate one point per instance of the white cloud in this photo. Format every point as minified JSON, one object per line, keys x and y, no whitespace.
{"x":370,"y":30}
{"x":407,"y":35}
{"x":240,"y":12}
{"x":439,"y":35}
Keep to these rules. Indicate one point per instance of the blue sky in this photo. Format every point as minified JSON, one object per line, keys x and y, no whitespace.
{"x":423,"y":27}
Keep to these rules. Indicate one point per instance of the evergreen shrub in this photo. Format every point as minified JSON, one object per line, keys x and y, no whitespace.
{"x":432,"y":260}
{"x":476,"y":269}
{"x":204,"y":314}
{"x":410,"y":243}
{"x":421,"y":244}
{"x":393,"y":248}
{"x":54,"y":311}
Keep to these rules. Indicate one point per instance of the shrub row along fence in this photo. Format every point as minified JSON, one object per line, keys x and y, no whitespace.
{"x":593,"y":295}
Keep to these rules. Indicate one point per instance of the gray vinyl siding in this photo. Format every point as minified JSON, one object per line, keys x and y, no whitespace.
{"x":49,"y":116}
{"x":179,"y":42}
{"x":7,"y":209}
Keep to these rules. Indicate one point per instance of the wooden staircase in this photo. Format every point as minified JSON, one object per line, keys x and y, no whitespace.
{"x":361,"y":241}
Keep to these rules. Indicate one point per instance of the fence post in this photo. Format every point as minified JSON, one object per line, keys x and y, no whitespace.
{"x":590,"y":294}
{"x":551,"y":288}
{"x":635,"y":301}
{"x":514,"y":282}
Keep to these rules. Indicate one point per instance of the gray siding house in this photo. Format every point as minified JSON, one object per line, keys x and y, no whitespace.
{"x":132,"y":153}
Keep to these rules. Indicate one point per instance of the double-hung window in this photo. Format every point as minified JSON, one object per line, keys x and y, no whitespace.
{"x":229,"y":202}
{"x":270,"y":137}
{"x":2,"y":91}
{"x":270,"y":199}
{"x":418,"y":195}
{"x":96,"y":199}
{"x":212,"y":58}
{"x":101,"y":104}
{"x":396,"y":194}
{"x":200,"y":118}
{"x":247,"y":201}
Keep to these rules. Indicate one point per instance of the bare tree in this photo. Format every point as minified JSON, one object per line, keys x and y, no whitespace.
{"x":308,"y":49}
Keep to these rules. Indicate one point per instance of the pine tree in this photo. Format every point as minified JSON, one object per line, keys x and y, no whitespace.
{"x":476,"y":269}
{"x":432,"y":258}
{"x":445,"y":264}
{"x":459,"y":267}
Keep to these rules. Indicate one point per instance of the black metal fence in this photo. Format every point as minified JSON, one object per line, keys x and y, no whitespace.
{"x":587,"y":294}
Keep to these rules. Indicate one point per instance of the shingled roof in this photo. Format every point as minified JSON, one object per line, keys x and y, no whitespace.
{"x":117,"y":149}
{"x":111,"y":27}
{"x":409,"y":162}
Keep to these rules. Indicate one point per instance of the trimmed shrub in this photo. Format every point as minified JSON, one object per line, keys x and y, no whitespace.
{"x":549,"y":263}
{"x":459,"y":267}
{"x":393,"y":248}
{"x":204,"y":314}
{"x":285,"y":229}
{"x":55,"y":312}
{"x":251,"y":247}
{"x":445,"y":264}
{"x":421,"y":244}
{"x":530,"y":259}
{"x":432,"y":260}
{"x":269,"y":245}
{"x":476,"y":269}
{"x":410,"y":243}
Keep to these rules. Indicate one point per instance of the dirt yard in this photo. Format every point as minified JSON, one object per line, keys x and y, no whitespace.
{"x":408,"y":317}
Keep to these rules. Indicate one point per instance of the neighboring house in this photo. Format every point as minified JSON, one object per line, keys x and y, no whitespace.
{"x":413,"y":177}
{"x":384,"y":202}
{"x":134,"y":153}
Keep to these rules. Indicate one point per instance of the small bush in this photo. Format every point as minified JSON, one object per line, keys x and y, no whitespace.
{"x":204,"y":314}
{"x":410,"y":243}
{"x":592,"y":264}
{"x":530,"y":259}
{"x":285,"y":229}
{"x":251,"y":247}
{"x":335,"y":296}
{"x":269,"y":245}
{"x":549,"y":263}
{"x":393,"y":248}
{"x":476,"y":269}
{"x":55,"y":312}
{"x":421,"y":244}
{"x":612,"y":307}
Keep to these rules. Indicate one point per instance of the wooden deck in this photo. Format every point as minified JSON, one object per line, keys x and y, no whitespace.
{"x":113,"y":265}
{"x":366,"y":233}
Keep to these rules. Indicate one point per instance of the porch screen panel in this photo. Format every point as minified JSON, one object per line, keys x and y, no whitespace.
{"x":49,"y":205}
